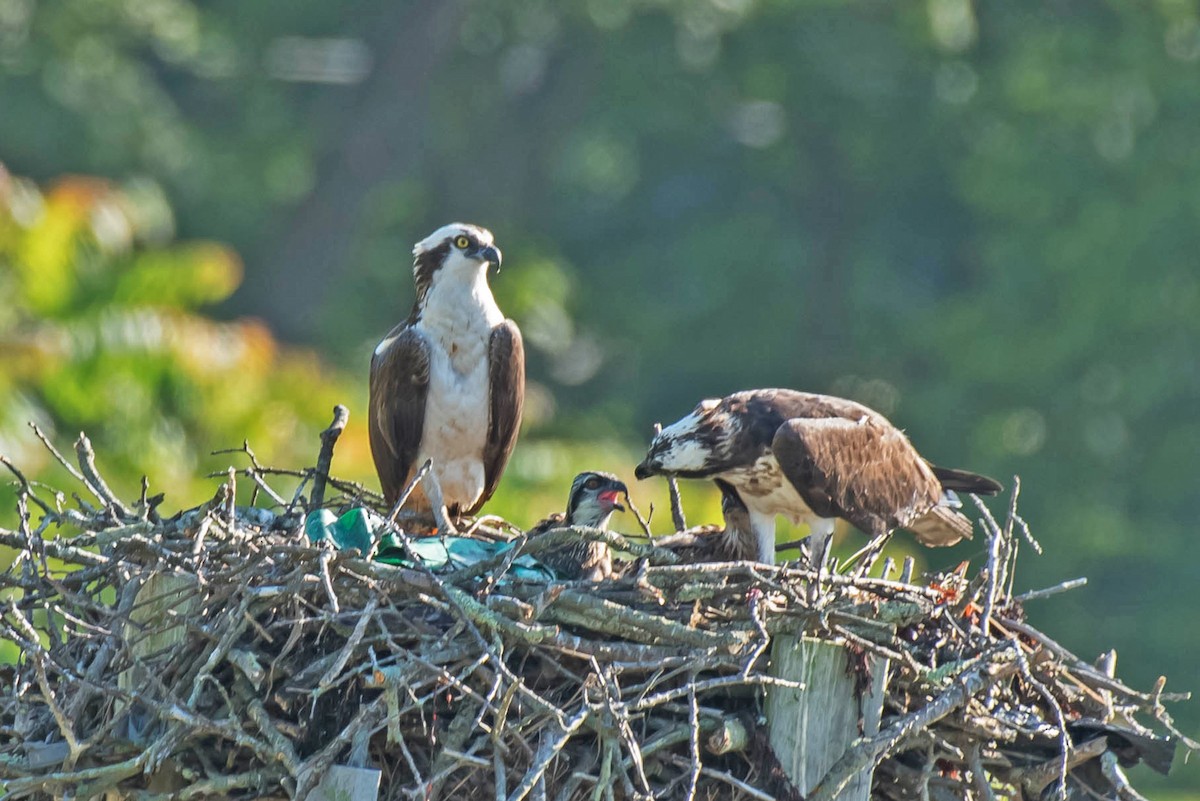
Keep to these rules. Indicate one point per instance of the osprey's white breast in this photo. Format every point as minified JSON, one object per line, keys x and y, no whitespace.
{"x":457,"y":319}
{"x":766,"y":490}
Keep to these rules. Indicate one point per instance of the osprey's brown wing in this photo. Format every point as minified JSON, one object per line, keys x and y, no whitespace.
{"x":863,"y":470}
{"x":506,"y":380}
{"x":396,"y":414}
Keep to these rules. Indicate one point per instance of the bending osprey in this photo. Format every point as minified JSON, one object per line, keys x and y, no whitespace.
{"x":448,"y":384}
{"x":815,"y":458}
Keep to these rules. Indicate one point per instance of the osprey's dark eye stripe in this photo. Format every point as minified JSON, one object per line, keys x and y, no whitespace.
{"x":462,"y":242}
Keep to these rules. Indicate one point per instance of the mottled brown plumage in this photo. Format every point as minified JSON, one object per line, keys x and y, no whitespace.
{"x":732,"y":542}
{"x":396,"y":414}
{"x":815,"y":458}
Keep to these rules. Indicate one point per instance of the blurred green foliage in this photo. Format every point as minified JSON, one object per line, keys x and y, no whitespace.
{"x":979,"y":217}
{"x":103,"y":334}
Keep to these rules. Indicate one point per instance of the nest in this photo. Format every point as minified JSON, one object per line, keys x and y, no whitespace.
{"x":219,"y":653}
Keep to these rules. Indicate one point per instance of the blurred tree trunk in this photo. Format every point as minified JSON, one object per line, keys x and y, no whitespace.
{"x":382,"y":139}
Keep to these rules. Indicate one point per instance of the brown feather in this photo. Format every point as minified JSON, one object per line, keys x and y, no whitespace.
{"x":941,"y":526}
{"x":585,"y":559}
{"x":964,"y":481}
{"x":506,"y":376}
{"x":396,"y":412}
{"x":864,"y":471}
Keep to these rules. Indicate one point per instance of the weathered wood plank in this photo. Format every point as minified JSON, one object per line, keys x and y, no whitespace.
{"x":811,"y":728}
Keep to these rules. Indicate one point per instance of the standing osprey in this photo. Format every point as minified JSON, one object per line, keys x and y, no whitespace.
{"x":591,"y":503}
{"x":448,"y":384}
{"x":815,"y":458}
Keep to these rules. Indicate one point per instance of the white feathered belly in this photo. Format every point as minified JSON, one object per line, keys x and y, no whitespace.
{"x":457,"y":320}
{"x":766,"y":490}
{"x":456,"y":425}
{"x":455,"y":431}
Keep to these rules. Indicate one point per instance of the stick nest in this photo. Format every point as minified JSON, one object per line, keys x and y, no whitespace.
{"x":218,"y":653}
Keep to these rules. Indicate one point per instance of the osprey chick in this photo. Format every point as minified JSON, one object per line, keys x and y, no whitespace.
{"x":815,"y":458}
{"x":733,"y":542}
{"x":448,"y":383}
{"x":593,"y":498}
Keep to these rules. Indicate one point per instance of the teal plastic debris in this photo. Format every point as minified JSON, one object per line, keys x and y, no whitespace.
{"x":357,"y":528}
{"x":453,"y":553}
{"x":360,"y":528}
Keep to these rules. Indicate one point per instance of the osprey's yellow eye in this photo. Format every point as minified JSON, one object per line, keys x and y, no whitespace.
{"x":592,"y":483}
{"x":462,"y":242}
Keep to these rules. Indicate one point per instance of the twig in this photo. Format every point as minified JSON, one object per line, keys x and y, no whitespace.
{"x":1112,"y":771}
{"x":370,"y":716}
{"x":360,"y":629}
{"x":710,"y":684}
{"x":38,"y":656}
{"x":92,"y":478}
{"x":693,"y":739}
{"x":546,"y":753}
{"x":1036,"y":778}
{"x":26,"y":487}
{"x":642,"y":522}
{"x":736,"y":783}
{"x":329,"y":438}
{"x":889,"y":567}
{"x":1064,"y":739}
{"x":1035,"y":595}
{"x":673,"y":488}
{"x":979,"y":776}
{"x":995,"y":544}
{"x":422,"y":471}
{"x":70,"y":468}
{"x":927,"y":772}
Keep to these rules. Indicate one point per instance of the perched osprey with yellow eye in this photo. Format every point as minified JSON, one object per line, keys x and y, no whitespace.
{"x":448,"y":384}
{"x":815,"y":458}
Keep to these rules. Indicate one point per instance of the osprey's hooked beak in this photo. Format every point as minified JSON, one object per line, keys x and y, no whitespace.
{"x":489,"y":253}
{"x":644,"y":470}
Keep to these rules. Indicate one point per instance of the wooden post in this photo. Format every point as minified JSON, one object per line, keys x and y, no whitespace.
{"x":811,"y":728}
{"x":346,"y":783}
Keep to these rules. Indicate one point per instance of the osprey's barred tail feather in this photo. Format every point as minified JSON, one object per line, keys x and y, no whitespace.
{"x":941,"y":526}
{"x":944,"y":524}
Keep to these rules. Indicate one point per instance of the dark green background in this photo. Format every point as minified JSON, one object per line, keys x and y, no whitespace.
{"x":981,"y":218}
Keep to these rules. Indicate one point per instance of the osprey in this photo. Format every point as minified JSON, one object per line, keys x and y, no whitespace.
{"x":733,"y":542}
{"x":815,"y":458}
{"x":592,"y":500}
{"x":448,"y":384}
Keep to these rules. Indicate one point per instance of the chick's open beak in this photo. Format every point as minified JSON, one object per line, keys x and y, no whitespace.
{"x":611,"y":497}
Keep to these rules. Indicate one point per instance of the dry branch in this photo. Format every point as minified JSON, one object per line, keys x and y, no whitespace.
{"x":219,"y":652}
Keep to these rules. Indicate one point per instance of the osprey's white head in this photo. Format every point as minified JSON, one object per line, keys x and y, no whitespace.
{"x":693,"y":446}
{"x":457,"y":252}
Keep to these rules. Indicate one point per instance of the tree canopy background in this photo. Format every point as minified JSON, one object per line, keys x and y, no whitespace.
{"x":980,"y":218}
